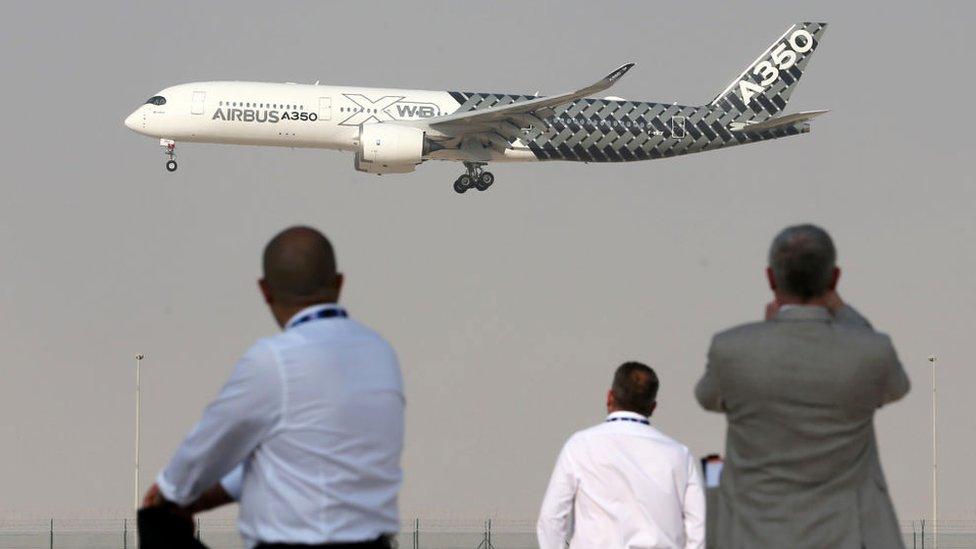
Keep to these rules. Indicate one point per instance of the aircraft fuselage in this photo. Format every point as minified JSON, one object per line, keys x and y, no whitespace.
{"x":331,"y":117}
{"x":395,"y":130}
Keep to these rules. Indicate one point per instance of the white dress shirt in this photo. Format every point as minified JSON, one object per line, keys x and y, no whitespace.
{"x":623,"y":485}
{"x":306,"y":435}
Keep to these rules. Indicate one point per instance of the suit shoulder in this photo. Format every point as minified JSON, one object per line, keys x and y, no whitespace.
{"x":875,"y":341}
{"x":737,"y":332}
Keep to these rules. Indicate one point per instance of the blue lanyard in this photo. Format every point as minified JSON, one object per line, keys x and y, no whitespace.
{"x":319,"y":315}
{"x":633,"y":419}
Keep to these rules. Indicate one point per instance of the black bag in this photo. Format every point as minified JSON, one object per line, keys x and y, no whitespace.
{"x":166,"y":528}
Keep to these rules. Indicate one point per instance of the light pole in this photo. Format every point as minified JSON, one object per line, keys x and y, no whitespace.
{"x":135,"y":500}
{"x":935,"y":463}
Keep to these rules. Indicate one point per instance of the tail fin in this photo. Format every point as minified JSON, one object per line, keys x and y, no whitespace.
{"x":763,"y":89}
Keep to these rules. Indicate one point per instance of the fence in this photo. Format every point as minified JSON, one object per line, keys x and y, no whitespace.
{"x":952,"y":534}
{"x":414,"y":534}
{"x":222,"y":534}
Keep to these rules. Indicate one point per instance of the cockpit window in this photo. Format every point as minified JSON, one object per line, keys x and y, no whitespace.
{"x":156,"y":100}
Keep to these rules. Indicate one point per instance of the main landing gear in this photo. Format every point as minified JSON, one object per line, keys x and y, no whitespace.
{"x":476,"y":177}
{"x":170,"y":151}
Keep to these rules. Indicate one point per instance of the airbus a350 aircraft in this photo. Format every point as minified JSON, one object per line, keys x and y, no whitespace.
{"x":394,"y":130}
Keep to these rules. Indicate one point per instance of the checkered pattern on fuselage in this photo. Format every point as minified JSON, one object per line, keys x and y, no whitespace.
{"x":601,"y":130}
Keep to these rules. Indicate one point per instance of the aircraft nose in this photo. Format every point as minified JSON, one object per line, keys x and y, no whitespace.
{"x":134,"y":121}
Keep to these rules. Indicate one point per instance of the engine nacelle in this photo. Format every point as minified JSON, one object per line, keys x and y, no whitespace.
{"x":387,"y":148}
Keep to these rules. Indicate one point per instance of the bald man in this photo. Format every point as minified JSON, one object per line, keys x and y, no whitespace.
{"x":307,"y":433}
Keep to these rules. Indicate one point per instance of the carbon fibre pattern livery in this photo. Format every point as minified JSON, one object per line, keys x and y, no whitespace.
{"x":603,"y":130}
{"x":774,"y":98}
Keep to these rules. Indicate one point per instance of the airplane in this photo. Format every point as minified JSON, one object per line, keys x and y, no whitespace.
{"x":392,"y":131}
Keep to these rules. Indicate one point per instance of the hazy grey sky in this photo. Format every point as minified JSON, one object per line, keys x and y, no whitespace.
{"x":509,"y":308}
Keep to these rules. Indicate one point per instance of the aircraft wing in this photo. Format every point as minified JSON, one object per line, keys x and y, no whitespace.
{"x":508,"y":120}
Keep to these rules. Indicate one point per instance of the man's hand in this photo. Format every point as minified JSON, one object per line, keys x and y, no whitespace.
{"x":771,"y":309}
{"x":153,"y":497}
{"x":834,"y":302}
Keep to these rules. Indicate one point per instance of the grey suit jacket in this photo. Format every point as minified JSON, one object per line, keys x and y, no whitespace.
{"x":801,"y":465}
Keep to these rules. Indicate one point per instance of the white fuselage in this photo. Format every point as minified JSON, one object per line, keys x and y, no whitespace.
{"x":291,"y":115}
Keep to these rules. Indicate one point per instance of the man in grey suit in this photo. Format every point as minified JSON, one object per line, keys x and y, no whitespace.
{"x":799,"y":392}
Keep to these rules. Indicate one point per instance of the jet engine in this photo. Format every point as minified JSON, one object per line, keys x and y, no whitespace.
{"x":388,"y":148}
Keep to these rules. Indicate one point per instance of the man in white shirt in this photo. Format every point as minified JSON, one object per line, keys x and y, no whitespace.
{"x":623,"y":484}
{"x":307,"y":433}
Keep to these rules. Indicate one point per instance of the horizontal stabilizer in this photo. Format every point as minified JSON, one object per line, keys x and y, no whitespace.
{"x":777,"y":122}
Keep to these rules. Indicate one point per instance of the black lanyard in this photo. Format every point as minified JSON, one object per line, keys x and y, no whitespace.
{"x":319,"y":315}
{"x":633,"y":419}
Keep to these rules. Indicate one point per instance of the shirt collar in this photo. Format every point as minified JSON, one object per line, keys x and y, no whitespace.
{"x":310,"y":310}
{"x":625,"y":414}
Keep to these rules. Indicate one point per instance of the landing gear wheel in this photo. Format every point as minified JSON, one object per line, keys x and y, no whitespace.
{"x":485,"y":181}
{"x":169,"y":149}
{"x":462,"y":183}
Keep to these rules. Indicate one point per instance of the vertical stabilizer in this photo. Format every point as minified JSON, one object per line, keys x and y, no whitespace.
{"x":764,"y":88}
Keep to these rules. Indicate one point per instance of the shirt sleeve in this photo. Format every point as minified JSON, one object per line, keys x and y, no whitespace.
{"x":694,"y":506}
{"x":247,"y":408}
{"x":707,"y":390}
{"x":233,"y":482}
{"x":555,"y":526}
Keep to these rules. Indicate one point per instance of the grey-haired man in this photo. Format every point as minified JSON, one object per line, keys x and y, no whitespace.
{"x":800,"y":391}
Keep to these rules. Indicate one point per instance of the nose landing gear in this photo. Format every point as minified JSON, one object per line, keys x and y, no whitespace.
{"x":170,"y":152}
{"x":476,"y":177}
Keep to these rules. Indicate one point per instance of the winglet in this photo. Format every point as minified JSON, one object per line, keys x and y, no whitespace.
{"x":606,"y":81}
{"x":617,"y":74}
